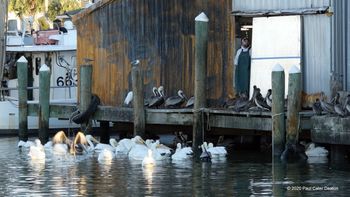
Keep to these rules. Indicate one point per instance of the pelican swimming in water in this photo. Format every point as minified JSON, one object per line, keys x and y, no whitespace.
{"x":148,"y":161}
{"x":313,"y":151}
{"x":176,"y":101}
{"x":37,"y":152}
{"x":217,"y":151}
{"x":159,"y":150}
{"x":105,"y":155}
{"x":98,"y":147}
{"x":26,"y":144}
{"x":182,"y":153}
{"x":139,"y":149}
{"x":62,"y":145}
{"x":205,"y":156}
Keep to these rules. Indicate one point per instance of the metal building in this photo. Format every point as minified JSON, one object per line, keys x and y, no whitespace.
{"x":325,"y":38}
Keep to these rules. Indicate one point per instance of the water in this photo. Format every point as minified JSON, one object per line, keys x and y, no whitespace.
{"x":243,"y":174}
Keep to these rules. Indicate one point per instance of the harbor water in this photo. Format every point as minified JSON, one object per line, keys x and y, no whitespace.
{"x":243,"y":173}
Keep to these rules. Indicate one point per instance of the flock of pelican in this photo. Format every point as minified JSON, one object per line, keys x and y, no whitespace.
{"x":335,"y":106}
{"x":148,"y":151}
{"x":158,"y":99}
{"x":257,"y":101}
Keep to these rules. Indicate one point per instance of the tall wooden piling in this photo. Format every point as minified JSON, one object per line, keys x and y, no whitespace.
{"x":44,"y":103}
{"x":294,"y":105}
{"x":22,"y":75}
{"x":104,"y":132}
{"x":85,"y":92}
{"x":138,"y":99}
{"x":278,"y":120}
{"x":201,"y":31}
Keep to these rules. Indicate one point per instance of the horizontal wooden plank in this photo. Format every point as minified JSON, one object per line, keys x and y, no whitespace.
{"x":240,"y":122}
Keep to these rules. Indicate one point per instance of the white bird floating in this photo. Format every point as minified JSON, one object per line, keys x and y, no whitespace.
{"x":313,"y":151}
{"x":26,"y":144}
{"x":105,"y":155}
{"x":182,"y":153}
{"x":148,"y":161}
{"x":37,"y":152}
{"x":98,"y":147}
{"x":139,"y":149}
{"x":217,"y":151}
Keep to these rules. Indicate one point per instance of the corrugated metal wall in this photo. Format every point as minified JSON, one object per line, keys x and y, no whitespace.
{"x":340,"y":45}
{"x":258,"y":5}
{"x":316,"y":53}
{"x":161,"y":34}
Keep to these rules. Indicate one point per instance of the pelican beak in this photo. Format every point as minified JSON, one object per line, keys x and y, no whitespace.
{"x":142,"y":141}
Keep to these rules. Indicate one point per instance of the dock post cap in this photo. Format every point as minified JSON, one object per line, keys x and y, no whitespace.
{"x":22,"y":60}
{"x":294,"y":69}
{"x":135,"y":62}
{"x":277,"y":68}
{"x":44,"y":67}
{"x":202,"y":17}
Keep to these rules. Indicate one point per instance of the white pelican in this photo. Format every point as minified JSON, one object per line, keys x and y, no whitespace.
{"x":105,"y":156}
{"x":205,"y":156}
{"x":160,"y":151}
{"x":60,"y":143}
{"x":313,"y":151}
{"x":182,"y":153}
{"x":98,"y":147}
{"x":26,"y":144}
{"x":217,"y":151}
{"x":148,"y":160}
{"x":37,"y":152}
{"x":128,"y":98}
{"x":139,"y":149}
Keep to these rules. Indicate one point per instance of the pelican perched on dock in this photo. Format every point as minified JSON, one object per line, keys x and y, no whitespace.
{"x":190,"y":102}
{"x":128,"y":98}
{"x":316,"y":107}
{"x":260,"y":101}
{"x":268,"y":98}
{"x":327,"y":107}
{"x":347,"y":104}
{"x":37,"y":152}
{"x":313,"y":151}
{"x":176,"y":101}
{"x":338,"y":108}
{"x":157,"y":99}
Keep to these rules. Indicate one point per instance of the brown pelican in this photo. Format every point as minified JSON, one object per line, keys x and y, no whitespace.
{"x":338,"y":108}
{"x":158,"y":99}
{"x":241,"y":102}
{"x":327,"y":107}
{"x":316,"y":107}
{"x":175,"y":101}
{"x":190,"y":102}
{"x":347,"y":104}
{"x":268,"y":98}
{"x":62,"y":145}
{"x":260,"y":101}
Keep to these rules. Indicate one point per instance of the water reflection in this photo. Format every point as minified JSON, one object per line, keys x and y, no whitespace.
{"x":241,"y":174}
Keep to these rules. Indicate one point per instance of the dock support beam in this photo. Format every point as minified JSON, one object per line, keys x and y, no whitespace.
{"x":22,"y":75}
{"x":138,"y":100}
{"x":104,"y":132}
{"x":294,"y":105}
{"x":278,"y":120}
{"x":201,"y":42}
{"x":85,"y":93}
{"x":44,"y":103}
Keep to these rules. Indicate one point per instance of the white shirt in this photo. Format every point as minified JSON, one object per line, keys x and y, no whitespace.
{"x":239,"y":52}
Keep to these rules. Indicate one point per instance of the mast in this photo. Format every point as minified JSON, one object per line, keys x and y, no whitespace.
{"x":3,"y":28}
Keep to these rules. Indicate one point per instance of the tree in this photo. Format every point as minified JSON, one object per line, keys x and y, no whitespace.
{"x":26,"y":7}
{"x":60,"y":6}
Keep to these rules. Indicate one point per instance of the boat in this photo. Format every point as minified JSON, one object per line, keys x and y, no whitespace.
{"x":53,"y":48}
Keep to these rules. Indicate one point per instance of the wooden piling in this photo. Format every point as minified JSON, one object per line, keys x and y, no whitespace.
{"x":85,"y":92}
{"x":138,"y":100}
{"x":22,"y":75}
{"x":44,"y":103}
{"x":278,"y":120}
{"x":201,"y":32}
{"x":104,"y":132}
{"x":294,"y":105}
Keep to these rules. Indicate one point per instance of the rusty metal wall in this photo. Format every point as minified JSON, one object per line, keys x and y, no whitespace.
{"x":161,"y":34}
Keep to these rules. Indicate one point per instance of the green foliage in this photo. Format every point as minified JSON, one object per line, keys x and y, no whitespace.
{"x":26,"y":7}
{"x":43,"y":24}
{"x":60,"y":6}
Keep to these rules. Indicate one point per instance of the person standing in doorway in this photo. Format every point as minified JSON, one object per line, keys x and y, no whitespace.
{"x":242,"y":67}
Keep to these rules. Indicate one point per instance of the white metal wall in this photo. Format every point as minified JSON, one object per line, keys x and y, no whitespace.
{"x":316,"y":53}
{"x":258,"y":5}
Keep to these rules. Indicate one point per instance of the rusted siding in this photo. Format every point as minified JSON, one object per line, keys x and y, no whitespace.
{"x":161,"y":34}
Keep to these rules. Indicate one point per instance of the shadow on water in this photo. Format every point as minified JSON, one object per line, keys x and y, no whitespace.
{"x":242,"y":173}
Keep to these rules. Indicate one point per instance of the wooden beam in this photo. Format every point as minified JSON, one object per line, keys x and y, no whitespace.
{"x":44,"y":103}
{"x":236,"y":122}
{"x":22,"y":75}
